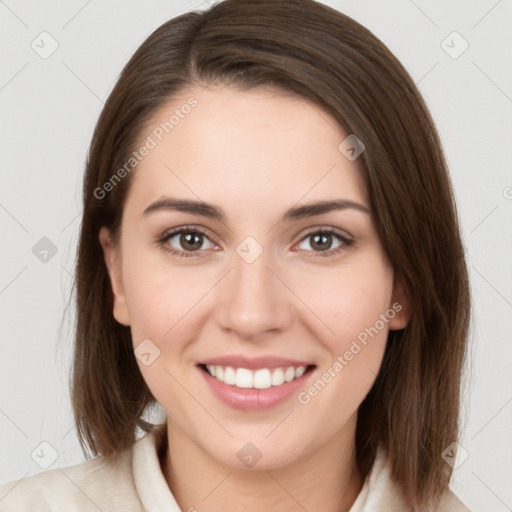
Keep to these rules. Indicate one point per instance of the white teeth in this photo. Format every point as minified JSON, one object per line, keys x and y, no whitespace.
{"x":262,"y":379}
{"x":289,"y":374}
{"x":299,"y":372}
{"x":259,"y":379}
{"x":229,"y":376}
{"x":277,"y":377}
{"x":243,"y":378}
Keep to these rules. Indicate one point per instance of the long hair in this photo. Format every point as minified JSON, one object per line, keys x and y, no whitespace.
{"x":303,"y":48}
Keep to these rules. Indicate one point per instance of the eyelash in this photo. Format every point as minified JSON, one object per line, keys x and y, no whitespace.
{"x":163,"y":241}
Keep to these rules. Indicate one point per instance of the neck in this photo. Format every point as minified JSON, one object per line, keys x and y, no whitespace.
{"x":326,"y":480}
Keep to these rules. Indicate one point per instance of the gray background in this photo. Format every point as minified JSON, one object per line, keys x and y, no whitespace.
{"x":49,"y":108}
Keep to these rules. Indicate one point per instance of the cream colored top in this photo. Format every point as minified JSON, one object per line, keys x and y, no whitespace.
{"x":135,"y":483}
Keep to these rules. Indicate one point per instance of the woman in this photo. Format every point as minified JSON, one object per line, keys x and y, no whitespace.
{"x":270,"y":251}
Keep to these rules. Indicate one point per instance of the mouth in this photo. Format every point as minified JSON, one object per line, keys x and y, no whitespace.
{"x":256,"y":384}
{"x":263,"y":378}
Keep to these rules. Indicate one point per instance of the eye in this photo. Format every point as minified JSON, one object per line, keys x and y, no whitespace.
{"x":325,"y":242}
{"x":193,"y":242}
{"x":185,"y":242}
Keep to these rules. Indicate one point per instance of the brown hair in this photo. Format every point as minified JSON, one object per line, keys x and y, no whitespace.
{"x":308,"y":49}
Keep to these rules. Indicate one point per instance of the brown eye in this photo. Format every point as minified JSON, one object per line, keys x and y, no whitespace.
{"x":186,"y":241}
{"x":191,"y":241}
{"x":321,"y":241}
{"x":325,"y":242}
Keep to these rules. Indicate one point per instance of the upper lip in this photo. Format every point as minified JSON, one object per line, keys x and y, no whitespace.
{"x":254,"y":363}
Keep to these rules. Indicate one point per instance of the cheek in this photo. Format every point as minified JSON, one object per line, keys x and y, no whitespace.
{"x":160,"y":297}
{"x":347,"y":302}
{"x":163,"y":305}
{"x":352,"y":306}
{"x":355,"y":307}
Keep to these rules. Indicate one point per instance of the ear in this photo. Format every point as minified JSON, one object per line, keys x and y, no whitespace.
{"x":112,"y":256}
{"x":400,"y":303}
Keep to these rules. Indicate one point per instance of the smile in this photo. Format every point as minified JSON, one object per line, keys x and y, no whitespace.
{"x":255,"y":384}
{"x":255,"y":379}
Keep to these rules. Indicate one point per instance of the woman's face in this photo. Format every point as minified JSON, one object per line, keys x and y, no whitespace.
{"x":224,"y":267}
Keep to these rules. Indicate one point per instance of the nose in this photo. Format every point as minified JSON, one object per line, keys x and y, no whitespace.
{"x":252,"y":301}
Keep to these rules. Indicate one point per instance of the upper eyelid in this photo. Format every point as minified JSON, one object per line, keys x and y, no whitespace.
{"x":330,"y":229}
{"x":184,"y":229}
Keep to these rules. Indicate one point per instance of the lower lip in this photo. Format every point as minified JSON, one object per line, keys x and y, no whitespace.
{"x":253,"y":399}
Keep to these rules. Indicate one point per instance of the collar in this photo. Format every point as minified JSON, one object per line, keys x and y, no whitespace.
{"x":379,"y":491}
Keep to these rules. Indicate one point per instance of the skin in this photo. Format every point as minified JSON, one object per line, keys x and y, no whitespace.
{"x":254,"y":154}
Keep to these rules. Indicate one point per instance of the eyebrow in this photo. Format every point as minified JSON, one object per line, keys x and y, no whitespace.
{"x":214,"y":212}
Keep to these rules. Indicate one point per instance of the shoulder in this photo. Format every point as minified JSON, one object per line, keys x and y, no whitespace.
{"x":86,"y":486}
{"x":381,"y":492}
{"x":450,"y":503}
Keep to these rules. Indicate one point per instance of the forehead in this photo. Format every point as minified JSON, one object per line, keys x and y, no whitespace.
{"x":222,"y":144}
